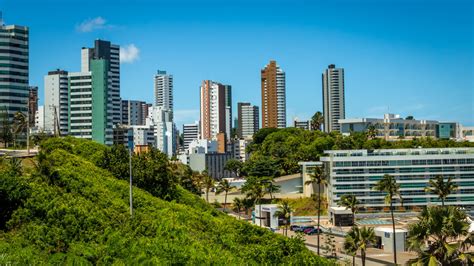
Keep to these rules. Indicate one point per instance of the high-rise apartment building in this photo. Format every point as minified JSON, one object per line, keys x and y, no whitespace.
{"x":190,"y":133}
{"x":56,"y":102}
{"x":14,"y":68}
{"x":90,"y":103}
{"x":110,"y":53}
{"x":333,"y":98}
{"x":165,"y":130}
{"x":132,"y":112}
{"x":248,"y":120}
{"x":164,"y":90}
{"x":216,"y":110}
{"x":32,"y":104}
{"x":273,"y":96}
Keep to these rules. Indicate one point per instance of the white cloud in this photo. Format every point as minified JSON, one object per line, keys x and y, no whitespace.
{"x":92,"y":24}
{"x":129,"y":53}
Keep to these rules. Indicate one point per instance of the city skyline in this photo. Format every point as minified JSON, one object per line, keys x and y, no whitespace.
{"x":387,"y":54}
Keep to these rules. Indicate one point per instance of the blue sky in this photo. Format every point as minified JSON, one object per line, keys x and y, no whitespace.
{"x":409,"y":57}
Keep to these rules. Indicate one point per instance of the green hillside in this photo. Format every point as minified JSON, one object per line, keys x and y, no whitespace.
{"x":67,"y":210}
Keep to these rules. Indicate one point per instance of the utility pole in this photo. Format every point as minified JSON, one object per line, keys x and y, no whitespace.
{"x":131,"y":195}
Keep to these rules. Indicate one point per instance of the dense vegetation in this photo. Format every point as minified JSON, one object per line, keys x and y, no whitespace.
{"x":276,"y":152}
{"x":72,"y":208}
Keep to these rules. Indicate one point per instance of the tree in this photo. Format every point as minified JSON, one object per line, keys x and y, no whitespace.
{"x":270,"y":188}
{"x":14,"y":167}
{"x":441,"y":188}
{"x":372,"y":131}
{"x":224,"y":186}
{"x":359,"y":239}
{"x":20,"y":125}
{"x":208,"y":183}
{"x":284,"y":210}
{"x":317,"y":120}
{"x":440,"y":237}
{"x":410,"y":117}
{"x":239,"y":204}
{"x":233,"y":166}
{"x":6,"y":132}
{"x":318,"y":177}
{"x":389,"y":185}
{"x":350,"y":202}
{"x":255,"y":190}
{"x":330,"y":245}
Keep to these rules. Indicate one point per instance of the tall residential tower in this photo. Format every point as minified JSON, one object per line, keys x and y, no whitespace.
{"x":273,"y":96}
{"x":216,"y":110}
{"x":333,"y":98}
{"x":248,"y":120}
{"x":56,"y":102}
{"x":14,"y":69}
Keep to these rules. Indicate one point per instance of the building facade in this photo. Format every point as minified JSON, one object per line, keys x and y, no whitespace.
{"x":305,"y":124}
{"x":90,"y":113}
{"x":391,"y":127}
{"x":56,"y":102}
{"x":164,"y":90}
{"x":357,"y":171}
{"x":110,"y":53}
{"x":132,"y":112}
{"x":248,"y":120}
{"x":14,"y":69}
{"x":215,"y":110}
{"x":190,"y":133}
{"x":273,"y":96}
{"x":333,"y":98}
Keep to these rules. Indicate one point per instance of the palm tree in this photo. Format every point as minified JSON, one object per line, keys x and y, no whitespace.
{"x":389,"y":185}
{"x":239,"y":204}
{"x":440,"y":237}
{"x":208,"y":182}
{"x":350,"y":202}
{"x":257,"y":192}
{"x":441,"y":188}
{"x":372,"y":131}
{"x":14,"y":167}
{"x":359,"y":239}
{"x":224,"y":186}
{"x":284,"y":210}
{"x":19,"y":124}
{"x":317,"y":120}
{"x":318,"y":177}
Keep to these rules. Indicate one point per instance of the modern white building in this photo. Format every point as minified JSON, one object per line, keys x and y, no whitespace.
{"x":56,"y":102}
{"x":248,"y":120}
{"x":265,"y":216}
{"x":467,"y":134}
{"x":303,"y":124}
{"x":384,"y":239}
{"x":14,"y":69}
{"x":143,"y":135}
{"x":240,"y":149}
{"x":190,"y":133}
{"x":39,"y":119}
{"x":357,"y":171}
{"x":164,"y":90}
{"x":165,"y":130}
{"x":133,"y":112}
{"x":391,"y":127}
{"x":333,"y":97}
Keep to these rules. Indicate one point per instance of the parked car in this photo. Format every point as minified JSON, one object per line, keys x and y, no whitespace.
{"x":301,"y":228}
{"x":312,"y":231}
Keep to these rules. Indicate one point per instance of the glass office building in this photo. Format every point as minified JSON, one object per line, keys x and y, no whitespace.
{"x":357,"y":171}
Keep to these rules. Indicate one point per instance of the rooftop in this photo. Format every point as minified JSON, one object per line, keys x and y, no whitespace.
{"x":399,"y":152}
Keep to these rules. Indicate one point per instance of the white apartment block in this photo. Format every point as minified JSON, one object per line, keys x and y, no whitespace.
{"x":164,"y":90}
{"x":56,"y":97}
{"x":357,"y":171}
{"x":333,"y":98}
{"x":248,"y":120}
{"x":190,"y":133}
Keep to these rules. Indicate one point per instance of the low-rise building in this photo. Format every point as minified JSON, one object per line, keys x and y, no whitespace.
{"x":391,"y":127}
{"x":357,"y":171}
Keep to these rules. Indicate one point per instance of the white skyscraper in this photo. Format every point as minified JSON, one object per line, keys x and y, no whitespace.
{"x":190,"y":133}
{"x":248,"y":120}
{"x":333,"y":98}
{"x":56,"y":102}
{"x":216,"y":110}
{"x":164,"y":90}
{"x":165,"y":132}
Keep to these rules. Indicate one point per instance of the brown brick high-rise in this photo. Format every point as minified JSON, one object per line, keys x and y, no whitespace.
{"x":273,"y":96}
